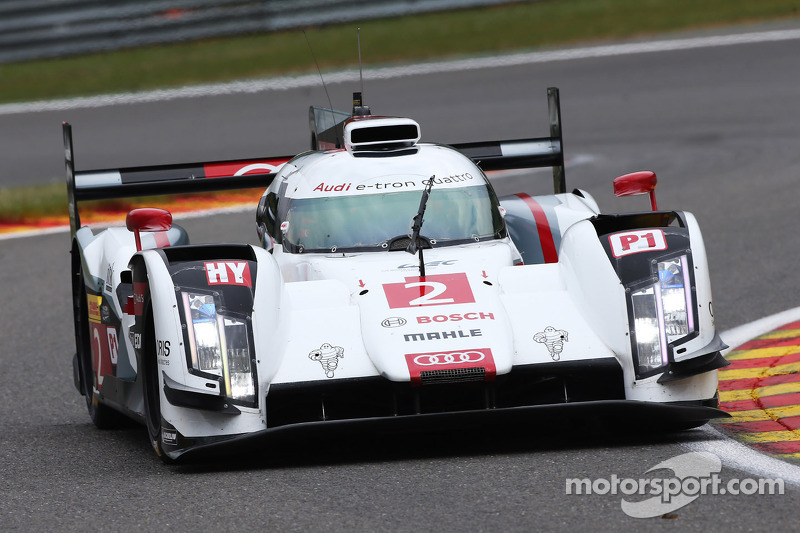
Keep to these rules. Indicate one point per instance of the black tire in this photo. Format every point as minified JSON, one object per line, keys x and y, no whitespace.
{"x":102,"y":416}
{"x":151,"y":389}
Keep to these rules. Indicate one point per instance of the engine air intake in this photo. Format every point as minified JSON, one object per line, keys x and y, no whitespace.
{"x":380,"y":134}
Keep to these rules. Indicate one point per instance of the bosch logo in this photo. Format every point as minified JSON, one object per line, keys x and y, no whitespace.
{"x":455,"y":317}
{"x":394,"y":322}
{"x":448,"y":358}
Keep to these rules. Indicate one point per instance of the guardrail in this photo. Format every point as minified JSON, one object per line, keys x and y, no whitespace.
{"x":34,"y":29}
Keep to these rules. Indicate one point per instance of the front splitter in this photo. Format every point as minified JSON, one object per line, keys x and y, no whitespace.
{"x":644,"y":415}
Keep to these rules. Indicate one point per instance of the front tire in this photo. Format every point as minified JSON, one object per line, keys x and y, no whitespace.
{"x":151,"y":388}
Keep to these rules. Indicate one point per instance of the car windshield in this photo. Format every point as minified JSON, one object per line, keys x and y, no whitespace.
{"x":367,"y":222}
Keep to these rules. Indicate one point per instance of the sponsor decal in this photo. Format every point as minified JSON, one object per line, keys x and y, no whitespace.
{"x":105,"y":351}
{"x":455,"y":317}
{"x":376,"y":187}
{"x":228,"y":273}
{"x":93,"y":302}
{"x":457,"y":359}
{"x":438,"y":289}
{"x":453,"y":178}
{"x":384,"y":186}
{"x":442,"y":335}
{"x":393,"y":322}
{"x":169,"y":436}
{"x":162,"y":348}
{"x":241,"y":168}
{"x":553,"y":339}
{"x":105,"y":313}
{"x":430,"y":264}
{"x":139,"y":288}
{"x":136,"y":340}
{"x":322,"y":187}
{"x":113,"y":345}
{"x":328,"y":356}
{"x":634,"y":242}
{"x":110,"y":278}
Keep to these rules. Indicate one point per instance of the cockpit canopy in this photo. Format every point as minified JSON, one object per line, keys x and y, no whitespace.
{"x":327,"y":202}
{"x":370,"y":222}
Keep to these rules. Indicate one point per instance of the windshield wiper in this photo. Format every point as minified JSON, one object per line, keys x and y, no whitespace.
{"x":417,"y":226}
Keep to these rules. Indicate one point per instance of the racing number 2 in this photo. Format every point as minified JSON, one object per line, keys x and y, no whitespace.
{"x":441,"y":289}
{"x":103,"y":360}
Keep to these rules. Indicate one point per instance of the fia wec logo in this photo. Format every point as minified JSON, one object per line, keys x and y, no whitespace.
{"x":228,"y":273}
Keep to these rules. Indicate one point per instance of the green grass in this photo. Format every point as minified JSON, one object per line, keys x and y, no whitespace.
{"x":20,"y":203}
{"x":408,"y":39}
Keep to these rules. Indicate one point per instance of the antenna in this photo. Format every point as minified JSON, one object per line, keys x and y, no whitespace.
{"x":360,"y":72}
{"x":359,"y":109}
{"x":333,"y":117}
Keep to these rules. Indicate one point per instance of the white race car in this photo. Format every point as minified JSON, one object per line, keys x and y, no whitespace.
{"x":392,"y":287}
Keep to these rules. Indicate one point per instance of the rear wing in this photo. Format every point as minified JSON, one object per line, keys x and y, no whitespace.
{"x":327,"y":132}
{"x":103,"y":184}
{"x":327,"y":128}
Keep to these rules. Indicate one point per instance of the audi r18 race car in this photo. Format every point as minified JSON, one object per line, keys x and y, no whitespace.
{"x":392,"y":287}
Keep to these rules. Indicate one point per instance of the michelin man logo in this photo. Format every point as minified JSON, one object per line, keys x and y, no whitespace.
{"x":328,"y":356}
{"x":554,"y":339}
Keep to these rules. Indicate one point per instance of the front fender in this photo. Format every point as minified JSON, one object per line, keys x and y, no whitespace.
{"x":202,"y":391}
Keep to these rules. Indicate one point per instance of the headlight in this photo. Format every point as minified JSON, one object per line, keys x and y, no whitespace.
{"x":673,"y":278}
{"x":651,"y":347}
{"x":220,"y":345}
{"x":663,"y":313}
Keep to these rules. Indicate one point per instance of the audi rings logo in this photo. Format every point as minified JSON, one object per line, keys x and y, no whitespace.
{"x":393,"y":322}
{"x":450,"y":358}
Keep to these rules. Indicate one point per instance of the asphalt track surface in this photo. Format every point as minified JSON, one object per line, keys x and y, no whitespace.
{"x":720,"y":126}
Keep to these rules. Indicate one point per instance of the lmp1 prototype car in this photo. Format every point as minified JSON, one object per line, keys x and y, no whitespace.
{"x":392,"y":287}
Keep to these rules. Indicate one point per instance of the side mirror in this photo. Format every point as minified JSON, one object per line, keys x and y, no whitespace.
{"x":147,"y":219}
{"x":641,"y":182}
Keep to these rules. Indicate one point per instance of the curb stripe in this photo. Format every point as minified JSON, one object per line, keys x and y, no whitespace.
{"x":752,"y":383}
{"x":778,"y":447}
{"x":744,"y":373}
{"x":772,"y":437}
{"x":792,"y":356}
{"x":762,"y":343}
{"x":754,"y":427}
{"x":782,"y":334}
{"x":752,"y":415}
{"x":760,"y":392}
{"x":758,"y":353}
{"x":756,"y":402}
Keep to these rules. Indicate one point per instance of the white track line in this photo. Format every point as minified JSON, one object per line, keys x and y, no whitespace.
{"x":312,"y":80}
{"x":733,"y":453}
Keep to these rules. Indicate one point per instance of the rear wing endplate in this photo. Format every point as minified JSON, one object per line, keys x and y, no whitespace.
{"x":525,"y":153}
{"x":161,"y":179}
